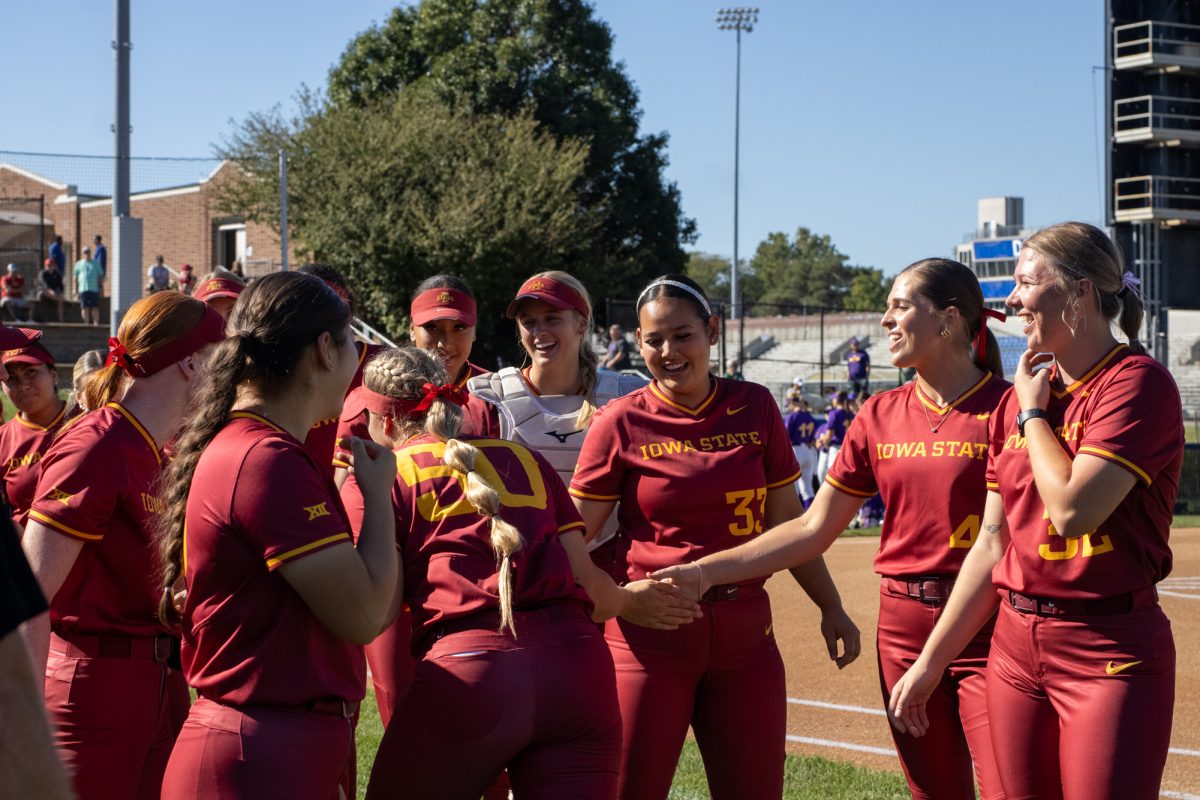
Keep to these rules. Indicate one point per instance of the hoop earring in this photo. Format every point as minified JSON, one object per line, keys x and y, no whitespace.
{"x":945,"y":333}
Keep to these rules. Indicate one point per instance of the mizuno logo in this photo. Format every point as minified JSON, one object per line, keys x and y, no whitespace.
{"x":732,"y":411}
{"x":562,"y":437}
{"x":319,"y":510}
{"x":60,"y":496}
{"x":984,"y":415}
{"x":1112,"y":669}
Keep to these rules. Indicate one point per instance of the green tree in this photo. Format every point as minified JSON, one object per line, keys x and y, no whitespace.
{"x":804,"y":270}
{"x":395,"y":192}
{"x":868,"y":289}
{"x":553,"y":59}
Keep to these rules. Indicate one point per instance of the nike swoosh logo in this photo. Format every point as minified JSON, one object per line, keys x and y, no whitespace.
{"x":770,"y":628}
{"x":732,"y":411}
{"x":984,"y":415}
{"x":1113,"y":669}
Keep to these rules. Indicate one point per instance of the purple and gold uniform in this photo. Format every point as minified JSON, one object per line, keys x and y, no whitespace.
{"x":694,"y":481}
{"x":1082,"y":668}
{"x":266,"y":722}
{"x":928,"y":462}
{"x":108,"y":687}
{"x":322,"y":439}
{"x":542,"y":703}
{"x":22,"y":446}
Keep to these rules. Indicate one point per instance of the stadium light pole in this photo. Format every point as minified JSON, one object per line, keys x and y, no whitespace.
{"x":737,"y":20}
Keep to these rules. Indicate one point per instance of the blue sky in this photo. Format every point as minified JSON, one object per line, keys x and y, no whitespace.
{"x":877,"y":123}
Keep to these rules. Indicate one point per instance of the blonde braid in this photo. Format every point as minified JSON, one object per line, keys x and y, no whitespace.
{"x":401,"y":372}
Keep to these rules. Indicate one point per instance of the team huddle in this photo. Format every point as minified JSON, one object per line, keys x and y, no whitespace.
{"x":554,"y":571}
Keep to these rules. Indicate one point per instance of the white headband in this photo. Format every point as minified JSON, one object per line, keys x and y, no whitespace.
{"x":679,"y":285}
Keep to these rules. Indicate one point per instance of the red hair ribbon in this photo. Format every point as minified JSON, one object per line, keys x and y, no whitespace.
{"x":118,"y":355}
{"x":386,"y":406}
{"x":981,"y":336}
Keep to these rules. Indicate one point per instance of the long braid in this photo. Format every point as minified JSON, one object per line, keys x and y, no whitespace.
{"x":401,"y":373}
{"x":228,"y":365}
{"x":589,"y":364}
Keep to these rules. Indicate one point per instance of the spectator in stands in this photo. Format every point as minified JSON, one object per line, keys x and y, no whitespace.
{"x":187,"y":281}
{"x":88,"y":363}
{"x":57,"y":254}
{"x":158,"y":276}
{"x":733,"y":369}
{"x":50,"y":286}
{"x":87,"y":287}
{"x":100,"y":256}
{"x":858,"y":368}
{"x":618,"y":350}
{"x":12,"y":294}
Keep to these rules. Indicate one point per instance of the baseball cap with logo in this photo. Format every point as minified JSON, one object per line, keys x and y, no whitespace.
{"x":22,"y":346}
{"x":213,"y":288}
{"x":443,"y":303}
{"x":548,"y":290}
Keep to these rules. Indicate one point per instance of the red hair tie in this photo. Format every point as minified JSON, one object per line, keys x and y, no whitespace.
{"x":117,"y":354}
{"x":981,"y":336}
{"x":447,"y":391}
{"x":386,"y":406}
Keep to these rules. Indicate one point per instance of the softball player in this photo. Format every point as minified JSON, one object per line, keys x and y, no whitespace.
{"x":923,"y":447}
{"x":220,"y":290}
{"x":698,"y":464}
{"x":32,"y":386}
{"x":512,"y":673}
{"x":1083,"y":471}
{"x":108,"y":688}
{"x":322,"y":439}
{"x":801,"y":428}
{"x":273,"y":574}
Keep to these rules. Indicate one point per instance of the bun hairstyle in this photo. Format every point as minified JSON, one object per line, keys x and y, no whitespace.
{"x":275,"y":321}
{"x":1075,"y":251}
{"x":401,"y":373}
{"x":149,"y":324}
{"x":946,"y":283}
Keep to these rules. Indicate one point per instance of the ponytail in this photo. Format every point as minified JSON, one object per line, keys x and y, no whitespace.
{"x":589,"y":363}
{"x":990,"y":362}
{"x":103,"y":386}
{"x":505,"y":539}
{"x":1130,"y":318}
{"x":227,"y":367}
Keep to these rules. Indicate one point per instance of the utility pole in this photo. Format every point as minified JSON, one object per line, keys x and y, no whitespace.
{"x":125,"y":285}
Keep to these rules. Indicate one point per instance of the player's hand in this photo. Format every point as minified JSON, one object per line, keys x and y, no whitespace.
{"x":1031,"y":384}
{"x":373,"y":465}
{"x":836,"y":626}
{"x":655,"y":604}
{"x":688,"y":577}
{"x":906,"y":708}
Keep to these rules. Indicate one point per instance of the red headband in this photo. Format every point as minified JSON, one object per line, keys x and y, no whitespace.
{"x":386,"y":406}
{"x":209,"y":330}
{"x":443,"y":304}
{"x":981,"y":336}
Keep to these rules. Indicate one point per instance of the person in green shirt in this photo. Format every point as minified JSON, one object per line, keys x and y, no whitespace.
{"x":87,"y":287}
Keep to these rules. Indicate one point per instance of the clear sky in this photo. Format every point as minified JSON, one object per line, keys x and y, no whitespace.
{"x":878,"y":123}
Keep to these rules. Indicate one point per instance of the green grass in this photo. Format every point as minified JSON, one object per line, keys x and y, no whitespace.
{"x":805,"y":777}
{"x":1186,"y":521}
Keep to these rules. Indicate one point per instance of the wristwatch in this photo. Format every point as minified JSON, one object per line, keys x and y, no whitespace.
{"x":1028,"y":414}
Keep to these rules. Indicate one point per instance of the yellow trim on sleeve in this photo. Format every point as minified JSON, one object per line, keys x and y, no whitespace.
{"x":341,"y":464}
{"x":299,"y":551}
{"x":1134,"y":468}
{"x":58,"y":526}
{"x":994,"y":486}
{"x":792,"y":479}
{"x":586,"y":496}
{"x":842,"y":487}
{"x":570,"y":526}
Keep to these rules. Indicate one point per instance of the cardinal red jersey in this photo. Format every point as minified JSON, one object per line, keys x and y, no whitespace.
{"x":323,"y":436}
{"x":449,"y":565}
{"x":690,"y":481}
{"x":1125,"y":410}
{"x":259,"y":500}
{"x":928,"y":464}
{"x":353,"y":421}
{"x":97,"y":484}
{"x":22,"y":445}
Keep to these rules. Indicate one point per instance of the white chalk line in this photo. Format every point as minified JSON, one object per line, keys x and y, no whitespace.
{"x":1180,"y":796}
{"x":859,"y":748}
{"x":1168,"y":593}
{"x":879,"y":712}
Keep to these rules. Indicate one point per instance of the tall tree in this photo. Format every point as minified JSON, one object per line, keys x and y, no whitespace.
{"x":868,"y":289}
{"x":552,"y":58}
{"x":804,"y":270}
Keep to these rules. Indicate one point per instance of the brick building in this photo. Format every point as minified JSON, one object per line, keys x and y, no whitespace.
{"x":181,"y":223}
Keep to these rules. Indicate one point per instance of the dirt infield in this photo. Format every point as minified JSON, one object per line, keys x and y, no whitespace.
{"x":840,"y":715}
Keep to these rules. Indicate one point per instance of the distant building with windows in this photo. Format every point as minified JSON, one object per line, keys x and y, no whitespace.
{"x":991,"y":250}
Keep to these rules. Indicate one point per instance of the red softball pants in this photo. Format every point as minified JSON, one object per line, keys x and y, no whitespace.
{"x":722,"y":675}
{"x":938,"y":764}
{"x":1080,"y":707}
{"x":542,"y":704}
{"x":110,"y":701}
{"x":392,"y":663}
{"x":228,"y":753}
